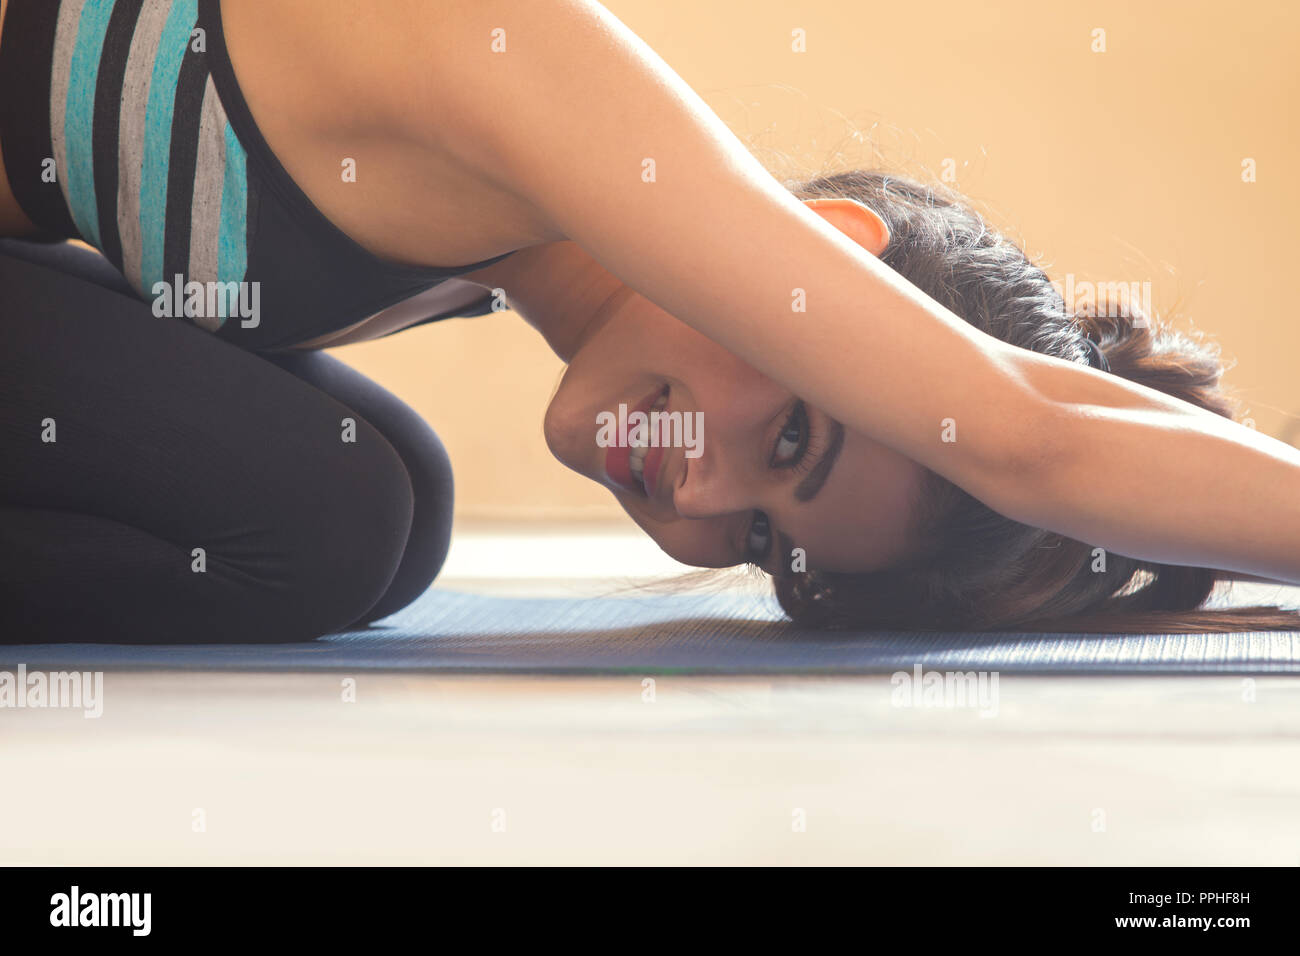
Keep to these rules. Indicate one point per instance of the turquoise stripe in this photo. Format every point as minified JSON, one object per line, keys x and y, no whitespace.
{"x":79,"y":113}
{"x":158,"y":139}
{"x":232,"y":255}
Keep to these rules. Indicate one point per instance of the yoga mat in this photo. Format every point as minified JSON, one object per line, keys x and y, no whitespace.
{"x":726,"y":633}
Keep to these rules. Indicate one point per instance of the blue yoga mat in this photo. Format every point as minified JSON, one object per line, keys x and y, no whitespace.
{"x":724,"y":633}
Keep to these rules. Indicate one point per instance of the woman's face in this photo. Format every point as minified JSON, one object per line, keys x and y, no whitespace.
{"x":751,"y":474}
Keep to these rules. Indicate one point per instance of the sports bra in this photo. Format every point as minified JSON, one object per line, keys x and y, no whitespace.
{"x":124,"y":126}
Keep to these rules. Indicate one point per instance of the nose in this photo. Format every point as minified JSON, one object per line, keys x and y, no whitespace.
{"x":712,"y":486}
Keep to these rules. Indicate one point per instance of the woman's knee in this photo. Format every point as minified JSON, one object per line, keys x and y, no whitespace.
{"x":344,"y":532}
{"x":429,"y":469}
{"x":423,"y":456}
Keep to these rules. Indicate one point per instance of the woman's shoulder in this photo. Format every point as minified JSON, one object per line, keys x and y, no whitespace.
{"x":354,"y":101}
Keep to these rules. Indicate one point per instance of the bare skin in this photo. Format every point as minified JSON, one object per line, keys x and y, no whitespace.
{"x":464,"y":152}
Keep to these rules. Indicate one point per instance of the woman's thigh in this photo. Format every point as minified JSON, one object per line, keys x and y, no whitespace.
{"x":158,"y":484}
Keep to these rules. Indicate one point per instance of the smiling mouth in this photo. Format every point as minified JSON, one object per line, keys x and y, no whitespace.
{"x":640,"y":454}
{"x":635,"y":468}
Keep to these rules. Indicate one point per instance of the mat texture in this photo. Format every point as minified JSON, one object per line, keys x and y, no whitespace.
{"x":677,"y":633}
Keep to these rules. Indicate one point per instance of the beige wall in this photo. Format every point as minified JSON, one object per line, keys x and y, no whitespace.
{"x":1115,"y":166}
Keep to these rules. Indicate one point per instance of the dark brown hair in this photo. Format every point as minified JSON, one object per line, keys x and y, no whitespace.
{"x":974,"y":569}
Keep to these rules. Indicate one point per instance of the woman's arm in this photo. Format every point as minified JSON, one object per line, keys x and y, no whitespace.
{"x":1144,"y":474}
{"x":582,"y":120}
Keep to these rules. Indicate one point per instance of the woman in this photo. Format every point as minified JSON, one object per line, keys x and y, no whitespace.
{"x":895,"y":401}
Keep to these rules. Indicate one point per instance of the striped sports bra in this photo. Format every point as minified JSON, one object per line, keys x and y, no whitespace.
{"x":123,"y":125}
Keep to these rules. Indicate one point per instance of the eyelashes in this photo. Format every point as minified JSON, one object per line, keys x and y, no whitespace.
{"x":759,"y":527}
{"x":794,"y":433}
{"x":797,"y":432}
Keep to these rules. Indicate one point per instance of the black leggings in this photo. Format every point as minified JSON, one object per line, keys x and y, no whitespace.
{"x":159,"y":485}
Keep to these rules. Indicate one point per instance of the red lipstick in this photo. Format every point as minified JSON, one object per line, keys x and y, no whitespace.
{"x":617,"y":466}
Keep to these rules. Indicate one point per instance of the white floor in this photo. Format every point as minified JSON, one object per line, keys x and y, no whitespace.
{"x":278,"y":768}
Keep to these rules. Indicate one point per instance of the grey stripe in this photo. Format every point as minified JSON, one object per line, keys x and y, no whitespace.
{"x":205,"y":211}
{"x":130,"y":135}
{"x":209,"y":177}
{"x":65,"y":42}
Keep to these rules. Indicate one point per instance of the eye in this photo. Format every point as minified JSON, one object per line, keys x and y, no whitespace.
{"x":790,"y":451}
{"x":758,"y":542}
{"x":793,"y":440}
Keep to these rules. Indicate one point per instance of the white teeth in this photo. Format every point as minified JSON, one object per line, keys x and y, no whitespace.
{"x":636,"y":460}
{"x":636,"y":457}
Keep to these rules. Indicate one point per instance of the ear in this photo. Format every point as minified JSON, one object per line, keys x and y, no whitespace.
{"x":860,"y":223}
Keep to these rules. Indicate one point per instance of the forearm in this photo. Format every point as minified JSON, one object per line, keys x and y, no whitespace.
{"x":1137,"y":472}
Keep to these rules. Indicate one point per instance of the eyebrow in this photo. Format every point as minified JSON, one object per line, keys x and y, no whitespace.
{"x":807,"y":490}
{"x":812,"y":483}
